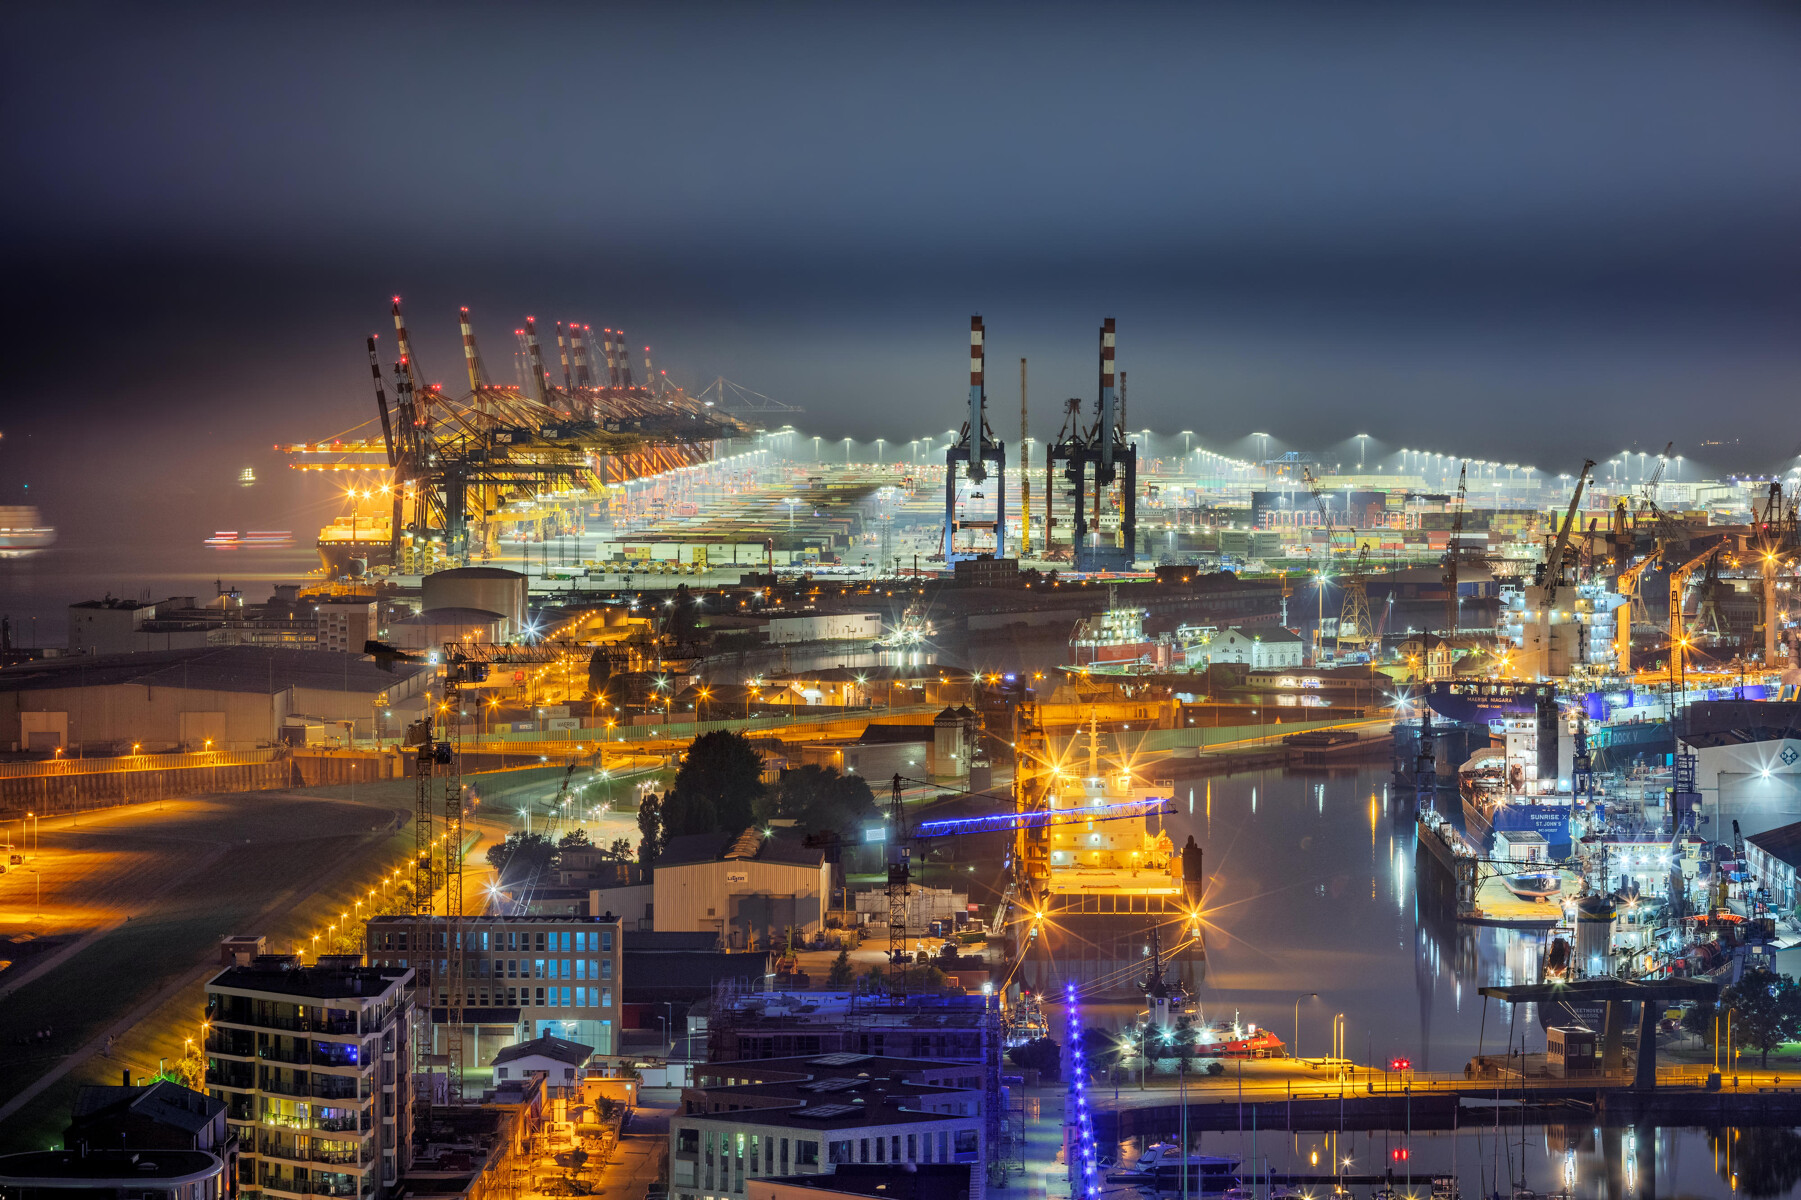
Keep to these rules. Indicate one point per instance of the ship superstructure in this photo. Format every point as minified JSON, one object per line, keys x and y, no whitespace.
{"x":1099,"y":880}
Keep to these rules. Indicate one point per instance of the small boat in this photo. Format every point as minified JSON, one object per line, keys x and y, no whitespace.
{"x":1162,"y":1166}
{"x":246,"y":477}
{"x":1533,"y":885}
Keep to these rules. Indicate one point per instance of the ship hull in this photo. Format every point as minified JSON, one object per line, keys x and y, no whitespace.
{"x":337,"y":556}
{"x":1107,"y":954}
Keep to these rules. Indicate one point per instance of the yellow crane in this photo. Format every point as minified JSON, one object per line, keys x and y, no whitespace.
{"x":1678,"y":585}
{"x":1627,"y":587}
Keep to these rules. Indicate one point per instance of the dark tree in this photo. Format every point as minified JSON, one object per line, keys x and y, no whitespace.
{"x":841,"y":973}
{"x":1766,"y":1010}
{"x":1040,"y":1054}
{"x":575,"y":839}
{"x":718,"y":787}
{"x":522,"y":854}
{"x":650,"y":830}
{"x":819,"y":798}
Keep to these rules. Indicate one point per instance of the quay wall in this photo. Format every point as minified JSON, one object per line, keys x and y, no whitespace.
{"x":1446,"y":1109}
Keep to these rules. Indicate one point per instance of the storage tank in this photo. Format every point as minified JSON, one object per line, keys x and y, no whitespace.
{"x":1594,"y":934}
{"x":493,"y":589}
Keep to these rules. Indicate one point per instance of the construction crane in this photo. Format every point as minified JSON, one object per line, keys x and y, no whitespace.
{"x":1454,"y":552}
{"x":439,"y":790}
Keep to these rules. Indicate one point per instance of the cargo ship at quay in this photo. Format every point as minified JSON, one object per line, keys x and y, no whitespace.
{"x":1101,"y":889}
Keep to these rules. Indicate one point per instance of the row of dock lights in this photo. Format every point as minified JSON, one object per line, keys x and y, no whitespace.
{"x":1083,"y":1182}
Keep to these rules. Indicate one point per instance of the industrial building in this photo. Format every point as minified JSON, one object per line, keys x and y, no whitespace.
{"x":313,"y":1065}
{"x":749,"y":889}
{"x":1265,"y":648}
{"x":213,"y":698}
{"x":1748,"y":760}
{"x":751,"y":1024}
{"x":1774,"y":857}
{"x":525,"y":976}
{"x":823,"y":627}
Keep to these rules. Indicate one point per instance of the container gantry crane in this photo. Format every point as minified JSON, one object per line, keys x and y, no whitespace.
{"x":976,"y":447}
{"x":1103,"y":446}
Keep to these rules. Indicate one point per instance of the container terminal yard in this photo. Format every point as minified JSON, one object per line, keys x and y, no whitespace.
{"x":871,"y":789}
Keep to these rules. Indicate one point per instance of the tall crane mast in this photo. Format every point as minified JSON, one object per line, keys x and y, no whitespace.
{"x":1555,"y":562}
{"x":1455,"y":551}
{"x":1325,"y":518}
{"x":1678,"y":587}
{"x":1627,"y":587}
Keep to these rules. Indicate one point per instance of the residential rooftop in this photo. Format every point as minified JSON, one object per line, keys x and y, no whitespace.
{"x":313,"y":983}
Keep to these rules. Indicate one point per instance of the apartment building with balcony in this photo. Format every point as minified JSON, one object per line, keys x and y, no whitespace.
{"x":524,"y":977}
{"x":312,"y":1065}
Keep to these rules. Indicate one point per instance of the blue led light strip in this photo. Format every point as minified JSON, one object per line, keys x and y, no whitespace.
{"x":1084,"y":1181}
{"x":1053,"y":816}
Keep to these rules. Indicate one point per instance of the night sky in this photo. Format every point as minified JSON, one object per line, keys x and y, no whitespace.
{"x":1522,"y":233}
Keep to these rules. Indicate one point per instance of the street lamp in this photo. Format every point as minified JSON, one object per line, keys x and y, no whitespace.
{"x":1296,"y":1048}
{"x":1186,"y":435}
{"x":816,"y":448}
{"x":878,"y":450}
{"x":847,"y":452}
{"x":1362,"y":445}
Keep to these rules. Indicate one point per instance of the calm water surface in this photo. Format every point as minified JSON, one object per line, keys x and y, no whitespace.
{"x":1312,"y":889}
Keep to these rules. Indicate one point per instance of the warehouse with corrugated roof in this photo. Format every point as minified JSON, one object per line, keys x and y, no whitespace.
{"x":211,"y":698}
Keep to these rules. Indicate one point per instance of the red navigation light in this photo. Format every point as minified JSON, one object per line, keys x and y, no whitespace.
{"x":1398,"y":1154}
{"x":1400,"y":1064}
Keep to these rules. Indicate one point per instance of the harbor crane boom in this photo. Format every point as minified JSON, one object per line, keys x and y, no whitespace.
{"x":1555,"y":562}
{"x":1627,"y":586}
{"x":1678,"y":585}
